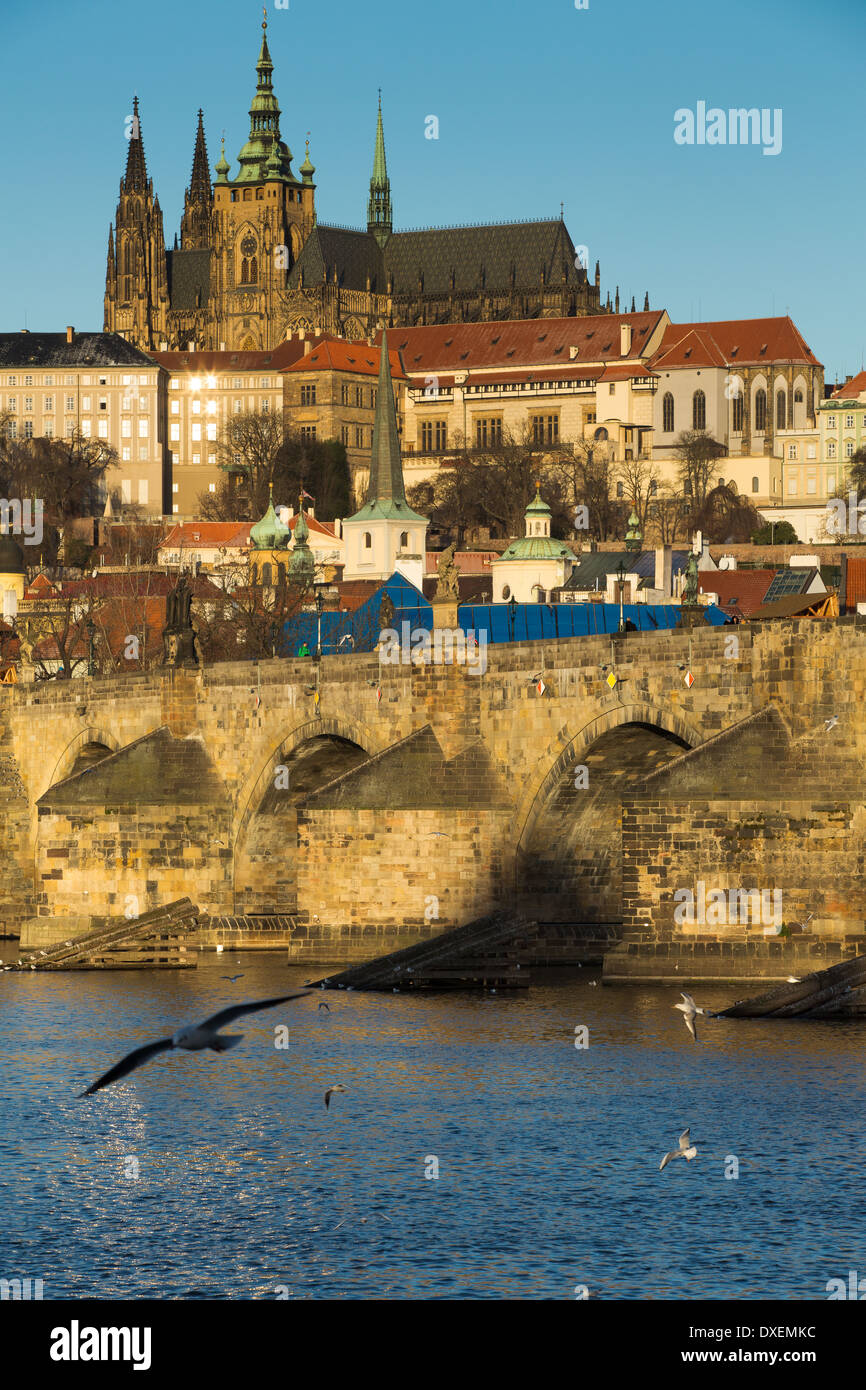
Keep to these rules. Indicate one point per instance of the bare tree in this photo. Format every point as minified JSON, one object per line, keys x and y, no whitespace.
{"x":248,"y":450}
{"x":697,"y":452}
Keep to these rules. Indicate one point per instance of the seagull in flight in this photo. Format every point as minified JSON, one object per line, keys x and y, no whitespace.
{"x":690,"y":1010}
{"x":323,"y":1005}
{"x":830,"y":723}
{"x":686,"y":1149}
{"x":195,"y":1037}
{"x":331,"y":1091}
{"x":232,"y":978}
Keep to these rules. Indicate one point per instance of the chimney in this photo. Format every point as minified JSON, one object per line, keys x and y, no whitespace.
{"x":301,"y":334}
{"x":190,"y":347}
{"x":222,"y":347}
{"x":624,"y":339}
{"x":338,"y":528}
{"x":664,"y":570}
{"x":572,"y":353}
{"x":70,"y":333}
{"x":25,"y":330}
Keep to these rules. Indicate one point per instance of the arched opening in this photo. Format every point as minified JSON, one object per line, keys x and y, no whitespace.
{"x":568,"y":865}
{"x":267,"y":846}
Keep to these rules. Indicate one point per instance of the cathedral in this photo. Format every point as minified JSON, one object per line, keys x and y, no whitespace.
{"x":254,"y":264}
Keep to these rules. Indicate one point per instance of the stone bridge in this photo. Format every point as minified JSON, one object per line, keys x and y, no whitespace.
{"x":378,"y":804}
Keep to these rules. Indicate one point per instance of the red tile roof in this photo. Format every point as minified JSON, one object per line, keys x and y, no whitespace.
{"x":274,"y":359}
{"x":855,"y":583}
{"x":729,"y":341}
{"x":852,"y":389}
{"x":336,"y":355}
{"x":235,"y":534}
{"x":520,"y":342}
{"x":325,"y":528}
{"x":739,"y":591}
{"x":467,"y":561}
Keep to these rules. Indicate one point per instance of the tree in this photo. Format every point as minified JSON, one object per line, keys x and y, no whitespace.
{"x":246,"y":621}
{"x":55,"y":630}
{"x":248,"y":449}
{"x":726,"y":517}
{"x":255,"y":453}
{"x":588,"y":474}
{"x":857,"y":473}
{"x":668,"y":512}
{"x":697,"y":452}
{"x":775,"y":533}
{"x":640,"y":480}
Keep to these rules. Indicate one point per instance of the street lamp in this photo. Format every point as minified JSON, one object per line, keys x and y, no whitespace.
{"x":274,"y":631}
{"x":320,"y":604}
{"x":91,"y":633}
{"x":620,"y":574}
{"x":512,"y":613}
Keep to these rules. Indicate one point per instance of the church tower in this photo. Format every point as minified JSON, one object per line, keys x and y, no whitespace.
{"x":380,"y":223}
{"x":262,"y":218}
{"x":136,"y":282}
{"x":195,"y":226}
{"x":385,"y":535}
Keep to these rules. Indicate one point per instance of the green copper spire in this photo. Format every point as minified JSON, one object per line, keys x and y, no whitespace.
{"x":386,"y":495}
{"x":308,"y":169}
{"x":264,"y":127}
{"x":379,"y":217}
{"x":303,"y":562}
{"x":222,"y":166}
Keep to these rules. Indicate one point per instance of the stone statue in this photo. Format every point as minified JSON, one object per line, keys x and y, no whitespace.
{"x":178,"y":635}
{"x":448,"y":573}
{"x":690,"y":590}
{"x":386,"y":612}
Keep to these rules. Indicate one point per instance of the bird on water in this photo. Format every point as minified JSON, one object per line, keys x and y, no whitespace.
{"x":686,"y":1149}
{"x":195,"y":1037}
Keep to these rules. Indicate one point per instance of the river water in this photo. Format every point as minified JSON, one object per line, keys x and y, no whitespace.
{"x":206,"y":1176}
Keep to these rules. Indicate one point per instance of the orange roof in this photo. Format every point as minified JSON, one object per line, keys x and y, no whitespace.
{"x":337,"y":355}
{"x":624,"y":371}
{"x":852,"y":389}
{"x":739,"y":591}
{"x":467,"y":561}
{"x":274,"y":359}
{"x":729,"y":341}
{"x":855,"y":583}
{"x":326,"y":527}
{"x":232,"y":534}
{"x":521,"y":342}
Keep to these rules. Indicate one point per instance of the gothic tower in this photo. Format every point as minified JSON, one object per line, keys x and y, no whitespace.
{"x":262,"y":218}
{"x":380,"y":222}
{"x":195,"y":226}
{"x":136,"y":285}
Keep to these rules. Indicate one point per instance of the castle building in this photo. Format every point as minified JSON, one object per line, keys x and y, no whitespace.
{"x":254,"y":264}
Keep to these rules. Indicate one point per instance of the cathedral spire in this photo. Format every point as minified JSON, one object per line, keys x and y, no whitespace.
{"x":195,"y":226}
{"x":135,"y":180}
{"x":264,"y":141}
{"x":199,"y":187}
{"x":110,"y":268}
{"x":379,"y":217}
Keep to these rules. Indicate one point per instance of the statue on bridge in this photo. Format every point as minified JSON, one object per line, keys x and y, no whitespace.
{"x":447,"y":572}
{"x":178,"y":635}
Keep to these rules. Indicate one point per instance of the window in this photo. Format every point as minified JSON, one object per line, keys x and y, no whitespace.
{"x":810,"y":486}
{"x":308,"y":433}
{"x":619,"y":490}
{"x":28,"y":381}
{"x":760,"y":411}
{"x":195,"y":431}
{"x":849,"y":448}
{"x":404,"y":540}
{"x":28,"y":429}
{"x":85,"y":402}
{"x":266,"y":405}
{"x":359,"y":395}
{"x":13,"y":403}
{"x":142,"y":428}
{"x":196,"y":407}
{"x":28,"y":405}
{"x":142,"y":451}
{"x":781,"y":410}
{"x":70,"y":402}
{"x":737,"y":414}
{"x":238,"y":407}
{"x":48,"y":428}
{"x":798,"y":397}
{"x":126,"y":489}
{"x":344,"y":393}
{"x":175,"y":407}
{"x":103,"y":403}
{"x":211,"y":407}
{"x":211,"y":487}
{"x":12,"y":429}
{"x":488,"y":433}
{"x":175,"y":384}
{"x":237,"y":383}
{"x":792,"y":451}
{"x":831,"y":448}
{"x":699,"y":411}
{"x":849,"y":422}
{"x":344,"y":434}
{"x":653,"y":488}
{"x":12,"y":381}
{"x":173,"y":431}
{"x":792,"y":487}
{"x":142,"y":491}
{"x":48,"y":404}
{"x":368,"y":541}
{"x":545,"y":429}
{"x":832,"y":422}
{"x":308,"y":393}
{"x":212,"y":432}
{"x":668,"y":412}
{"x":85,"y":428}
{"x":196,"y":458}
{"x":102,"y":429}
{"x":754,"y":485}
{"x":811,"y":451}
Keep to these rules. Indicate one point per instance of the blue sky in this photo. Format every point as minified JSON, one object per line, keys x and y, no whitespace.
{"x":537,"y":103}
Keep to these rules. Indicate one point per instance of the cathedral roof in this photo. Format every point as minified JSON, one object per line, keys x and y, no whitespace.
{"x":527,"y":247}
{"x":356,"y":254}
{"x":188,"y":278}
{"x":85,"y":350}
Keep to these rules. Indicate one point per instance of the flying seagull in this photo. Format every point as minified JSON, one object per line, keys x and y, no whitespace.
{"x":690,"y":1010}
{"x":830,"y":723}
{"x":195,"y":1037}
{"x":794,"y":979}
{"x":232,"y":978}
{"x":323,"y":1005}
{"x":331,"y":1091}
{"x":686,"y":1149}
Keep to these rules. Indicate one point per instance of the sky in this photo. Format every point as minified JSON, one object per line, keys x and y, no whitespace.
{"x":537,"y":103}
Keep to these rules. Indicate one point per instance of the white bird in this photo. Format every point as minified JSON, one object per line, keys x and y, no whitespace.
{"x":689,"y":1010}
{"x":806,"y":923}
{"x":794,"y":979}
{"x":330,"y":1091}
{"x":686,"y":1149}
{"x":195,"y":1037}
{"x":830,"y":723}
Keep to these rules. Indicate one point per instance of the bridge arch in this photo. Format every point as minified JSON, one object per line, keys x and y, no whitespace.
{"x":566,"y":845}
{"x":88,"y":747}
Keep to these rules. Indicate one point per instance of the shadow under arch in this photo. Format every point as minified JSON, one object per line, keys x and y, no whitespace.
{"x":566,"y":842}
{"x":75,"y":756}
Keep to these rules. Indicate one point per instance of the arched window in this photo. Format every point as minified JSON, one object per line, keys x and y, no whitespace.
{"x":737,"y":413}
{"x":831,"y":448}
{"x":760,"y":410}
{"x":781,"y":410}
{"x":668,"y":412}
{"x":245,"y":271}
{"x":254,"y":270}
{"x":404,"y":540}
{"x":281,"y":574}
{"x":798,"y":397}
{"x":368,"y":541}
{"x":699,"y":411}
{"x":266,"y":572}
{"x":506,"y":591}
{"x":654,"y":487}
{"x":619,"y":489}
{"x":754,"y":485}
